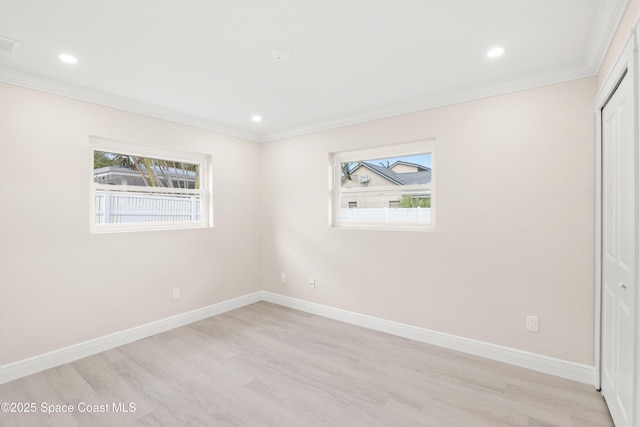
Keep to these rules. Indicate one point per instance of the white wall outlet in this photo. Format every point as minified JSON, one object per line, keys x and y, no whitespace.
{"x":283,"y":278}
{"x":312,"y":283}
{"x":176,"y":293}
{"x":532,"y":324}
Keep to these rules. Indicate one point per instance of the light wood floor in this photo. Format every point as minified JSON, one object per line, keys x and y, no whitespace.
{"x":265,"y":365}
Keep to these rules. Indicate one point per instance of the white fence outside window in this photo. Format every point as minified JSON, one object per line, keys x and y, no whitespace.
{"x":131,"y":208}
{"x":421,"y":215}
{"x":127,"y":208}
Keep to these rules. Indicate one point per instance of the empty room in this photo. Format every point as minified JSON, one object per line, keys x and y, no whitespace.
{"x":329,"y":213}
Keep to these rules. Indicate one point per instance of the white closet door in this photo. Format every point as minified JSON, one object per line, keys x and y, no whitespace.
{"x":619,"y":252}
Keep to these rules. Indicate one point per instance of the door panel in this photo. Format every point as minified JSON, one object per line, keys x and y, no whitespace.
{"x":619,"y":252}
{"x":625,"y":361}
{"x":608,"y":337}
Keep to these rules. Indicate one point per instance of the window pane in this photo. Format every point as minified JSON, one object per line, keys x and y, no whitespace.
{"x":394,"y":189}
{"x":387,"y":172}
{"x":125,"y":169}
{"x":146,"y":191}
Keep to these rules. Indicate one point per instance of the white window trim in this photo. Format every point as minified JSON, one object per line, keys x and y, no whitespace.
{"x":206,"y":181}
{"x":396,"y":150}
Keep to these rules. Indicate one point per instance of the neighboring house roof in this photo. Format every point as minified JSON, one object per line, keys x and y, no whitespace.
{"x":381,"y":170}
{"x":409,"y":178}
{"x":423,"y":177}
{"x":420,"y":168}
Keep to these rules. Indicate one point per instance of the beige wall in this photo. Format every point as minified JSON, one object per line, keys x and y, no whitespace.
{"x":514,"y":233}
{"x":514,"y":223}
{"x":61,"y":285}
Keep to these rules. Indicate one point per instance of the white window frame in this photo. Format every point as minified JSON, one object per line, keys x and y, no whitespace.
{"x":395,"y":150}
{"x":111,"y":146}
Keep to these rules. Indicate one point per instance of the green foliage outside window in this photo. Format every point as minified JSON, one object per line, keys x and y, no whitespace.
{"x":415,"y":202}
{"x":153,"y":172}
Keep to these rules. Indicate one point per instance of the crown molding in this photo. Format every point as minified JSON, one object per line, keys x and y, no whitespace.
{"x":32,"y":81}
{"x":608,"y":17}
{"x":56,"y":87}
{"x":606,"y":22}
{"x":529,"y":82}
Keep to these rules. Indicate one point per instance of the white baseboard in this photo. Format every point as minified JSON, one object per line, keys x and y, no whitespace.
{"x":549,"y":365}
{"x":59,"y":357}
{"x":537,"y":362}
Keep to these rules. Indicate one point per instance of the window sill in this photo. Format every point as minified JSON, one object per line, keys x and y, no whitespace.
{"x":387,"y":226}
{"x":128,"y":228}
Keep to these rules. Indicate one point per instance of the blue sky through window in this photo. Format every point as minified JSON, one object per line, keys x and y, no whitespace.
{"x":420,"y":159}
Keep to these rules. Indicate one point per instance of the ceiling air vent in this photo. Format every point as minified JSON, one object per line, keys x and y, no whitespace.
{"x":9,"y":45}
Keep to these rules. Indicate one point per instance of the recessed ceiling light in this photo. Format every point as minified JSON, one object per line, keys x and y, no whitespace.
{"x":256,"y":118}
{"x":495,"y":52}
{"x":69,"y":59}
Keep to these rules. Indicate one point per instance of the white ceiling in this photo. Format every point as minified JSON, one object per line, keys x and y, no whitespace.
{"x":209,"y":63}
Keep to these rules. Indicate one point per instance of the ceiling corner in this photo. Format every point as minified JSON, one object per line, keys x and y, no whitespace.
{"x":56,"y":87}
{"x":604,"y":28}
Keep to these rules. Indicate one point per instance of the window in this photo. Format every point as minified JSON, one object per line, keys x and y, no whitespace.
{"x":140,"y":188}
{"x":386,"y":188}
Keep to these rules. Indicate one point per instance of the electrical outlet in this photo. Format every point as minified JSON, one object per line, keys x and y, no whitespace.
{"x":176,"y":293}
{"x":532,"y":324}
{"x":283,"y":278}
{"x":312,"y":283}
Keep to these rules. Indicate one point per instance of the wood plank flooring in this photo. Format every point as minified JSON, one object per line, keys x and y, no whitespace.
{"x":266,"y":365}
